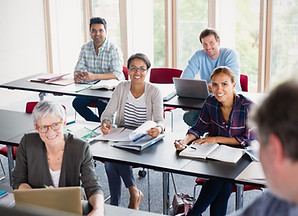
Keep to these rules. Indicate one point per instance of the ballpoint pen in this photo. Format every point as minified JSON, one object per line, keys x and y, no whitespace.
{"x":87,"y":87}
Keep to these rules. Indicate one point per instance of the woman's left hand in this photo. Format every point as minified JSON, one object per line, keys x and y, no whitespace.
{"x":206,"y":140}
{"x":154,"y":132}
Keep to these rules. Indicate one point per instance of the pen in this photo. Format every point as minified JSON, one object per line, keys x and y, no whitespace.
{"x":91,"y":131}
{"x":71,"y":122}
{"x":46,"y":186}
{"x":87,"y":87}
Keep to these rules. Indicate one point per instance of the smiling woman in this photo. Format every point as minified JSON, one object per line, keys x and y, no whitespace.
{"x":43,"y":158}
{"x":223,"y":117}
{"x":135,"y":101}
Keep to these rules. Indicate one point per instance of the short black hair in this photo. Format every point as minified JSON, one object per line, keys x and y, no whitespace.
{"x":140,"y":56}
{"x":98,"y":20}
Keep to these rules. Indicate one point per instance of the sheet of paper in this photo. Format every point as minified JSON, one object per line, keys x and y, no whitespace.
{"x":253,"y":173}
{"x":116,"y":135}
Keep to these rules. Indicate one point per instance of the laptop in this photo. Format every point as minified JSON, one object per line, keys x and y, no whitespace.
{"x":191,"y":88}
{"x":63,"y":198}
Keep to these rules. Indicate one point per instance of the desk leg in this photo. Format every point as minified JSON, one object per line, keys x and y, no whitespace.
{"x":239,"y":196}
{"x":10,"y":162}
{"x":41,"y":95}
{"x":166,"y":191}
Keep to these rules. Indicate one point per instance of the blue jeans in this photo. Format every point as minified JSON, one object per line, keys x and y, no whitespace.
{"x":80,"y":104}
{"x":213,"y":193}
{"x":190,"y":117}
{"x":115,"y":172}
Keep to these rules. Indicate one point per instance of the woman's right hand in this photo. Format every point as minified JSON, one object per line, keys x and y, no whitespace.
{"x":106,"y":126}
{"x":180,"y":144}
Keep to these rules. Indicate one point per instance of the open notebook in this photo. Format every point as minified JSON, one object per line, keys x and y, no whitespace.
{"x":131,"y":139}
{"x":63,"y":199}
{"x":213,"y":151}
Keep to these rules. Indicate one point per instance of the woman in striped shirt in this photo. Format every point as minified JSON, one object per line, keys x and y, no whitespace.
{"x":135,"y":102}
{"x":224,"y":117}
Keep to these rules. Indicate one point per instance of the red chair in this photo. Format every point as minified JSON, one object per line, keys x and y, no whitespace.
{"x":244,"y":82}
{"x":165,"y":76}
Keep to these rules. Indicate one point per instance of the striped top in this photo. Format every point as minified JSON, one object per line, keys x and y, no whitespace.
{"x":212,"y":121}
{"x":134,"y":111}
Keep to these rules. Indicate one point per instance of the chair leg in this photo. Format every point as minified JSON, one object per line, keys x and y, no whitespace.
{"x":148,"y":190}
{"x":3,"y":170}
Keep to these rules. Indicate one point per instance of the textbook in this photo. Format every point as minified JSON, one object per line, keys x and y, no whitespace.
{"x":106,"y":84}
{"x":57,"y":79}
{"x":131,"y":139}
{"x":140,"y":144}
{"x":213,"y":151}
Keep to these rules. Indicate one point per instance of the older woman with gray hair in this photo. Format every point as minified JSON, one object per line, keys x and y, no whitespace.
{"x":54,"y":158}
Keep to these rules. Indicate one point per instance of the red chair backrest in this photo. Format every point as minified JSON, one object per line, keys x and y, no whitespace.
{"x":30,"y":106}
{"x":164,"y":75}
{"x":244,"y":82}
{"x":125,"y":72}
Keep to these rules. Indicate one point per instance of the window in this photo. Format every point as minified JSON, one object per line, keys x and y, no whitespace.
{"x":109,"y":10}
{"x":284,"y":48}
{"x":159,"y":33}
{"x":192,"y":19}
{"x":247,"y":39}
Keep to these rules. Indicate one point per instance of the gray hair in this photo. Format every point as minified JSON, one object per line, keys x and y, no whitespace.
{"x":278,"y":114}
{"x":44,"y":108}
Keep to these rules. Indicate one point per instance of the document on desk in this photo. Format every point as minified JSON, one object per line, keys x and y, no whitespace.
{"x":140,"y":144}
{"x":87,"y":131}
{"x":56,"y":79}
{"x":253,"y":173}
{"x":213,"y":151}
{"x":116,"y":135}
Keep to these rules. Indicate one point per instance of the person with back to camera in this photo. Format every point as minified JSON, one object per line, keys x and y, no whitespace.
{"x":224,"y":116}
{"x":54,"y":158}
{"x":135,"y":102}
{"x":276,"y":119}
{"x":205,"y":60}
{"x":99,"y":59}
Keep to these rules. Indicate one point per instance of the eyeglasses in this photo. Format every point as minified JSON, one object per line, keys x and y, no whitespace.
{"x":44,"y":128}
{"x":141,"y":69}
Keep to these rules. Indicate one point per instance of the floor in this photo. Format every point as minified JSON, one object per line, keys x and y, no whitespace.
{"x":15,"y":100}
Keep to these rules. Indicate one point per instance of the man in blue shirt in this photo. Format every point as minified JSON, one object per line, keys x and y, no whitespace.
{"x":276,"y":120}
{"x":99,"y":59}
{"x":205,"y":60}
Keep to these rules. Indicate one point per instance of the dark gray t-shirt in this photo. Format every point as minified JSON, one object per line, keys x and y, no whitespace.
{"x":269,"y":204}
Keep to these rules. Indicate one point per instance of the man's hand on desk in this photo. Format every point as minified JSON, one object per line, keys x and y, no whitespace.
{"x":84,"y":76}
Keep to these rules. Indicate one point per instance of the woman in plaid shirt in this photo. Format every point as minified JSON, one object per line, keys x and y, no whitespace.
{"x":224,"y":117}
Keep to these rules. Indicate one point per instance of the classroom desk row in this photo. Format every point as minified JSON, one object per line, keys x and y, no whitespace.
{"x":7,"y":203}
{"x":162,"y":156}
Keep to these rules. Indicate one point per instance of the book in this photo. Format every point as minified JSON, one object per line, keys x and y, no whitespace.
{"x":131,"y":139}
{"x":253,"y":173}
{"x":106,"y":84}
{"x":213,"y":151}
{"x":140,"y":144}
{"x":57,"y":79}
{"x":126,"y":135}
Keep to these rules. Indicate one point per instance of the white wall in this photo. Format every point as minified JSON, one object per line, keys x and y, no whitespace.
{"x":22,"y":39}
{"x":66,"y":34}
